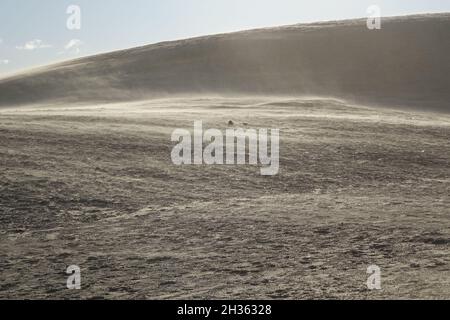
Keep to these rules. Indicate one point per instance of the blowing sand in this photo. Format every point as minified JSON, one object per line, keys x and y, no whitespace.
{"x":86,"y":177}
{"x":405,"y":64}
{"x":94,"y":186}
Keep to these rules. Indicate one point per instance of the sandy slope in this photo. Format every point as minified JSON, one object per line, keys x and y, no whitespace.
{"x":94,"y":186}
{"x":404,"y":64}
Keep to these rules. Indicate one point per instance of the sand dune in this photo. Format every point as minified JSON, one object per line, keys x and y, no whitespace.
{"x":93,"y":184}
{"x":406,"y":63}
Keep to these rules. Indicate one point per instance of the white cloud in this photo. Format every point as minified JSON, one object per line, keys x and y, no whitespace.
{"x":74,"y":46}
{"x":4,"y":61}
{"x":33,"y":45}
{"x":1,"y":40}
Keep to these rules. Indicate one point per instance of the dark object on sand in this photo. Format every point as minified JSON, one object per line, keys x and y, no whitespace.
{"x":230,"y":123}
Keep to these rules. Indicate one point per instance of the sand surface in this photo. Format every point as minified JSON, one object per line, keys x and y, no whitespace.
{"x":86,"y":177}
{"x":94,"y":186}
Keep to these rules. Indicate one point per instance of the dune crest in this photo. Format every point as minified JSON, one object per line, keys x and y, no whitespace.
{"x":405,"y":64}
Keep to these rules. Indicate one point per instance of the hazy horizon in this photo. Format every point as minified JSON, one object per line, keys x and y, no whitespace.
{"x":114,"y":25}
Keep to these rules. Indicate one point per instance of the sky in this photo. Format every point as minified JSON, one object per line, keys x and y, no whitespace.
{"x":36,"y":32}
